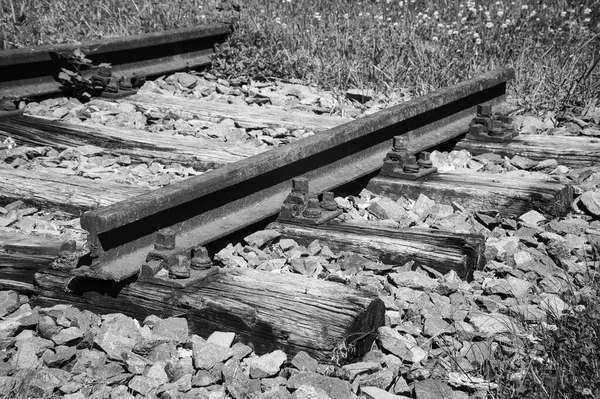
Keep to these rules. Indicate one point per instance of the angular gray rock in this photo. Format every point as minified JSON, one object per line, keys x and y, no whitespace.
{"x":266,"y":365}
{"x":209,"y":354}
{"x":118,"y":335}
{"x":490,"y":324}
{"x":591,"y":201}
{"x":381,"y":379}
{"x":532,"y":218}
{"x":385,"y":208}
{"x":378,"y":393}
{"x":9,"y":302}
{"x":432,"y":389}
{"x":334,"y":387}
{"x":403,"y":346}
{"x":174,"y":328}
{"x":414,"y":280}
{"x":262,"y":238}
{"x":221,"y":338}
{"x":303,"y":362}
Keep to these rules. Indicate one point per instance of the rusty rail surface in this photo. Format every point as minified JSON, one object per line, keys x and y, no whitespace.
{"x":217,"y":203}
{"x":32,"y":72}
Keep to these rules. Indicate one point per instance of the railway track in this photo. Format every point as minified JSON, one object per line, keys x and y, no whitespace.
{"x":34,"y":72}
{"x":131,"y":241}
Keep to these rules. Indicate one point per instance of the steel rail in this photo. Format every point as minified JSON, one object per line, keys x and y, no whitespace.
{"x":217,"y":203}
{"x":33,"y":72}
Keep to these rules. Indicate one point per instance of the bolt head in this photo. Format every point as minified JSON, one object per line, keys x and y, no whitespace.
{"x":328,"y":196}
{"x":300,"y":185}
{"x":165,"y":239}
{"x":484,"y":110}
{"x":399,"y":143}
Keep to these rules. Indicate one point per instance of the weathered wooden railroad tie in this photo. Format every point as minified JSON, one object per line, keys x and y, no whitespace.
{"x":129,"y":263}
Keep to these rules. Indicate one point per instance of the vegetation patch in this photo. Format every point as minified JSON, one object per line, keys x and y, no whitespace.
{"x":389,"y":46}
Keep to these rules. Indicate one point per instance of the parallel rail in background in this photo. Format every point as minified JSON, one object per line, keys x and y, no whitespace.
{"x":204,"y":208}
{"x":33,"y":72}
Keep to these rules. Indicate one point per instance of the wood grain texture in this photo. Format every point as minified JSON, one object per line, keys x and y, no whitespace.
{"x":482,"y":192}
{"x":442,"y":251}
{"x":571,"y":151}
{"x":215,"y":111}
{"x":21,"y":255}
{"x":140,"y":145}
{"x":55,"y":191}
{"x":268,"y":311}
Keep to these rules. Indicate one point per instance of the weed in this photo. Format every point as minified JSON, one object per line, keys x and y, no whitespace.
{"x":563,"y":361}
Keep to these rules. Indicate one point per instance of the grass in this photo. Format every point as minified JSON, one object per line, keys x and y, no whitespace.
{"x":397,"y":48}
{"x":559,"y":362}
{"x":390,"y":46}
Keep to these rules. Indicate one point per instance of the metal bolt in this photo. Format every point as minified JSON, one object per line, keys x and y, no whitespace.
{"x":105,"y":71}
{"x":125,"y":83}
{"x":7,"y":104}
{"x":165,"y":239}
{"x":411,"y":166}
{"x":100,"y":80}
{"x":201,"y":260}
{"x":313,"y":209}
{"x":496,"y":128}
{"x":399,"y":144}
{"x":425,"y":160}
{"x":300,"y":185}
{"x":328,"y":203}
{"x":113,"y":85}
{"x":476,"y":129}
{"x":181,"y":267}
{"x":484,"y":110}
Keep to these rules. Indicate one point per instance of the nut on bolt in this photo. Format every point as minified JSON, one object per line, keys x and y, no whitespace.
{"x":165,"y":239}
{"x":105,"y":71}
{"x":201,"y":260}
{"x":496,"y":128}
{"x":181,"y":268}
{"x":125,"y":83}
{"x":425,"y":160}
{"x":328,"y":202}
{"x":411,"y":165}
{"x":113,"y":85}
{"x":313,"y":209}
